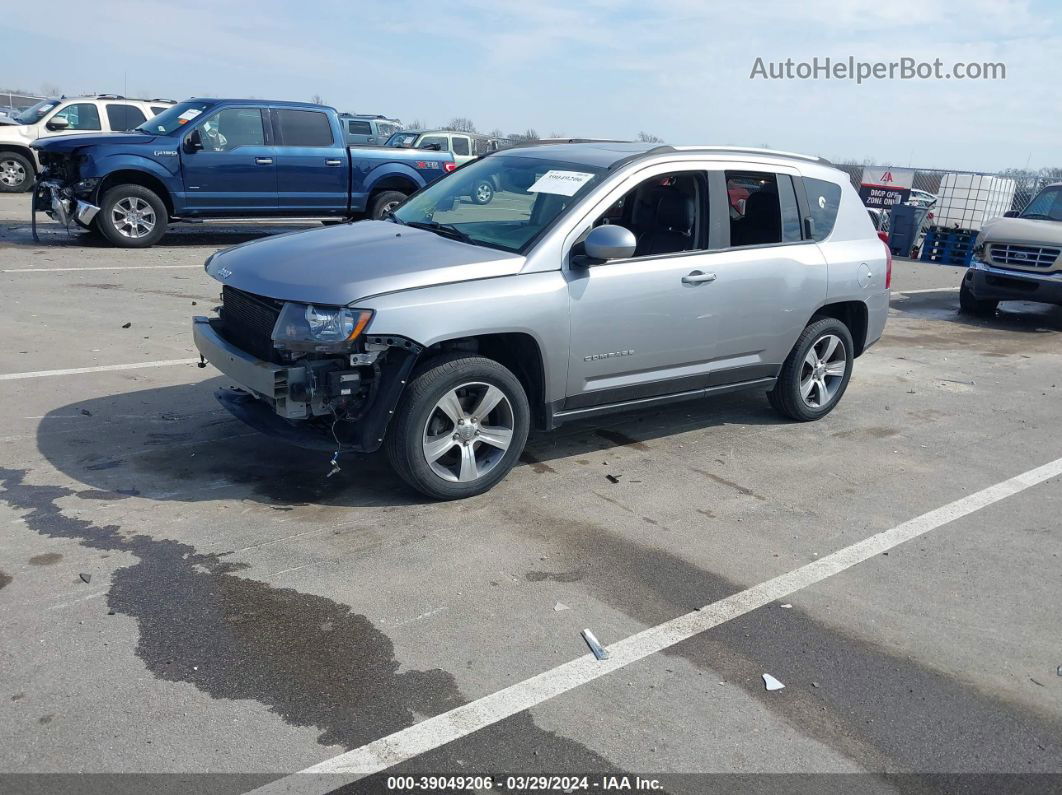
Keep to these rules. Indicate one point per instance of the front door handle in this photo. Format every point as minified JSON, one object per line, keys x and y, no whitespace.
{"x":264,"y":161}
{"x":696,"y":277}
{"x":333,"y":162}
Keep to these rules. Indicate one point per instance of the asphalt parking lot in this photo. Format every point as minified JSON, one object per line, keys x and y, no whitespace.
{"x":180,"y":595}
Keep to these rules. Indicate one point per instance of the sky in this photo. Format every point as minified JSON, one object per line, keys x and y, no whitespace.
{"x":678,"y":69}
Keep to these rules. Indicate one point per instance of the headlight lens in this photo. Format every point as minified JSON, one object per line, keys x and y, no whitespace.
{"x":320,"y":329}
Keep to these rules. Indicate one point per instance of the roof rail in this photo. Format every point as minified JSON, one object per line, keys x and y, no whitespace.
{"x":109,"y":96}
{"x":160,"y":99}
{"x":750,"y":150}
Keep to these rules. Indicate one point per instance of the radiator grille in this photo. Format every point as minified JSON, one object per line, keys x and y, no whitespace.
{"x":1024,"y":256}
{"x":247,"y":322}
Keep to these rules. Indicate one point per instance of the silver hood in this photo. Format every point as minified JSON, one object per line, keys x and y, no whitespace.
{"x":342,"y":264}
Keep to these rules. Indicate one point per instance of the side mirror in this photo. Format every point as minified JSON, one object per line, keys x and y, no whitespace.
{"x":58,"y":123}
{"x":608,"y":242}
{"x":193,"y":142}
{"x":1010,"y":214}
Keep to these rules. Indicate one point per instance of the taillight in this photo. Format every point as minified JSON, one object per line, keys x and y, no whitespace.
{"x":448,"y":167}
{"x":883,"y":237}
{"x":888,"y":267}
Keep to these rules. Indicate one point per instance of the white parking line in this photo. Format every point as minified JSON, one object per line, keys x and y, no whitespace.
{"x":457,"y":723}
{"x":103,"y":368}
{"x":114,"y":268}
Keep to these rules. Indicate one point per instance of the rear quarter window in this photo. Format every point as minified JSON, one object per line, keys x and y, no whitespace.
{"x":124,"y":117}
{"x":824,"y":198}
{"x":304,"y":128}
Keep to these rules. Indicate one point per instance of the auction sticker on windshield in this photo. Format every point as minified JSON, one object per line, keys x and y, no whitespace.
{"x":563,"y":183}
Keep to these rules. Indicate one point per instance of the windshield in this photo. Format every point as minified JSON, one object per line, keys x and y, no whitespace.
{"x":1046,"y":206}
{"x":402,"y":140}
{"x":501,"y":201}
{"x":169,"y":121}
{"x":33,"y":114}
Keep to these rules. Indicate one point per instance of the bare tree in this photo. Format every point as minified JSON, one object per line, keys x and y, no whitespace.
{"x":50,"y":89}
{"x":417,"y":124}
{"x":649,"y":139}
{"x":528,"y":135}
{"x":316,"y":99}
{"x":496,"y":133}
{"x":461,"y":124}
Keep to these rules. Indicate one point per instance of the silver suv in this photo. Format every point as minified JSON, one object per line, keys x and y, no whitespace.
{"x":602,"y":277}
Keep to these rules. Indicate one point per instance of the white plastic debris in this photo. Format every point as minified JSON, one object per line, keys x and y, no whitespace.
{"x":786,"y":605}
{"x":560,"y":606}
{"x":771,"y":683}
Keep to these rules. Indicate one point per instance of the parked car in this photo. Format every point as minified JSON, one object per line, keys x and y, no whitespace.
{"x":224,"y":158}
{"x":1017,"y":257}
{"x":67,"y":115}
{"x":463,"y":146}
{"x":614,"y":279}
{"x":365,"y":130}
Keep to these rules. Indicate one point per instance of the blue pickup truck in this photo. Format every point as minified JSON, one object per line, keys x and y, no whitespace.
{"x":224,"y":158}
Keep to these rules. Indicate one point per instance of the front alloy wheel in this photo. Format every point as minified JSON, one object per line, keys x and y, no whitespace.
{"x":468,"y":432}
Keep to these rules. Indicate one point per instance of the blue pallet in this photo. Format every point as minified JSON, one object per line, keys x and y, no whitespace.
{"x":948,"y":246}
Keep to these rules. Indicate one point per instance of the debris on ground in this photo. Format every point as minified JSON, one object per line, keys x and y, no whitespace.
{"x":786,"y":605}
{"x":85,"y":578}
{"x":771,"y":683}
{"x":612,"y":478}
{"x":560,"y":606}
{"x":127,"y":325}
{"x":814,"y":684}
{"x":595,"y":647}
{"x":86,"y":412}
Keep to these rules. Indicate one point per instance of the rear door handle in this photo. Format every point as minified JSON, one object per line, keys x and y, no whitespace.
{"x":264,"y":161}
{"x":333,"y":162}
{"x":696,"y":277}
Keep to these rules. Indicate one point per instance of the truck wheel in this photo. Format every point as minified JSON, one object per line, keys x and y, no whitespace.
{"x":16,"y":172}
{"x":459,"y":428}
{"x":816,"y":372}
{"x":385,"y":202}
{"x":978,"y":307}
{"x":131,"y":216}
{"x":483,"y":193}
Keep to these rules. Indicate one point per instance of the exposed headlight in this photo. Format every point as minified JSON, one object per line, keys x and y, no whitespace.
{"x":320,"y":329}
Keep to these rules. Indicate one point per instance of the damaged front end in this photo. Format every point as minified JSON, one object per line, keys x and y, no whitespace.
{"x":60,"y":194}
{"x":311,"y":376}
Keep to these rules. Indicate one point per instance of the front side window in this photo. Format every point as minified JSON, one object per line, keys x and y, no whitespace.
{"x":1047,"y":206}
{"x":124,"y":117}
{"x":528,"y":194}
{"x":304,"y":128}
{"x":755,"y":211}
{"x":232,"y":127}
{"x":460,"y":145}
{"x":824,"y":199}
{"x":81,"y":116}
{"x":665,"y":212}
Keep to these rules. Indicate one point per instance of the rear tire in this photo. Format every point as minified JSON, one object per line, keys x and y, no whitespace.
{"x":436,"y":439}
{"x":978,"y":307}
{"x":385,"y":202}
{"x":815,"y":375}
{"x":483,"y":193}
{"x":132,"y":216}
{"x":16,"y":173}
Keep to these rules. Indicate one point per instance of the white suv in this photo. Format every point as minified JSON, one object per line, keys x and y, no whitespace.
{"x":49,"y":117}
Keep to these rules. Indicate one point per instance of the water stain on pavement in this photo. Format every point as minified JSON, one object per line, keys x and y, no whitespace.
{"x":620,"y":439}
{"x":312,"y":661}
{"x":729,"y":484}
{"x":47,"y":559}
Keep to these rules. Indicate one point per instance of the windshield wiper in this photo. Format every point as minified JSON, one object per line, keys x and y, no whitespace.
{"x":446,"y":230}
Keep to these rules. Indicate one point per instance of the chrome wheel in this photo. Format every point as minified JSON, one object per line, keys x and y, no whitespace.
{"x":133,"y":217}
{"x":468,"y":432}
{"x":390,"y":206}
{"x":484,"y":193}
{"x":12,"y":173}
{"x":822,"y":371}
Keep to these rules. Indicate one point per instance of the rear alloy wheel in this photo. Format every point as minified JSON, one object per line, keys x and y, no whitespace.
{"x":979,"y":307}
{"x":483,"y":193}
{"x":816,"y":372}
{"x":16,"y":172}
{"x":459,"y":428}
{"x":131,"y":216}
{"x":385,"y":203}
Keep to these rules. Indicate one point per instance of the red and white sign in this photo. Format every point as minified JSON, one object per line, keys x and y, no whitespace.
{"x":884,"y":187}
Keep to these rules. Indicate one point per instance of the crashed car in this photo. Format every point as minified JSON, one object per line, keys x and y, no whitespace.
{"x":603,"y":277}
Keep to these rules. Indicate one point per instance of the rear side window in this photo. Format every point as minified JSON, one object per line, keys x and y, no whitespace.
{"x":434,"y":140}
{"x":823,"y":200}
{"x":304,"y":128}
{"x":460,"y":145}
{"x":157,"y":109}
{"x":124,"y":117}
{"x":359,"y":128}
{"x":755,"y":212}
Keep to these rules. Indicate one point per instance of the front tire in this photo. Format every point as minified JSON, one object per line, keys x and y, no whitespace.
{"x":483,"y":193}
{"x":815,"y":374}
{"x":459,"y":428}
{"x":385,"y":203}
{"x":16,"y":173}
{"x":132,"y":216}
{"x":978,"y":307}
